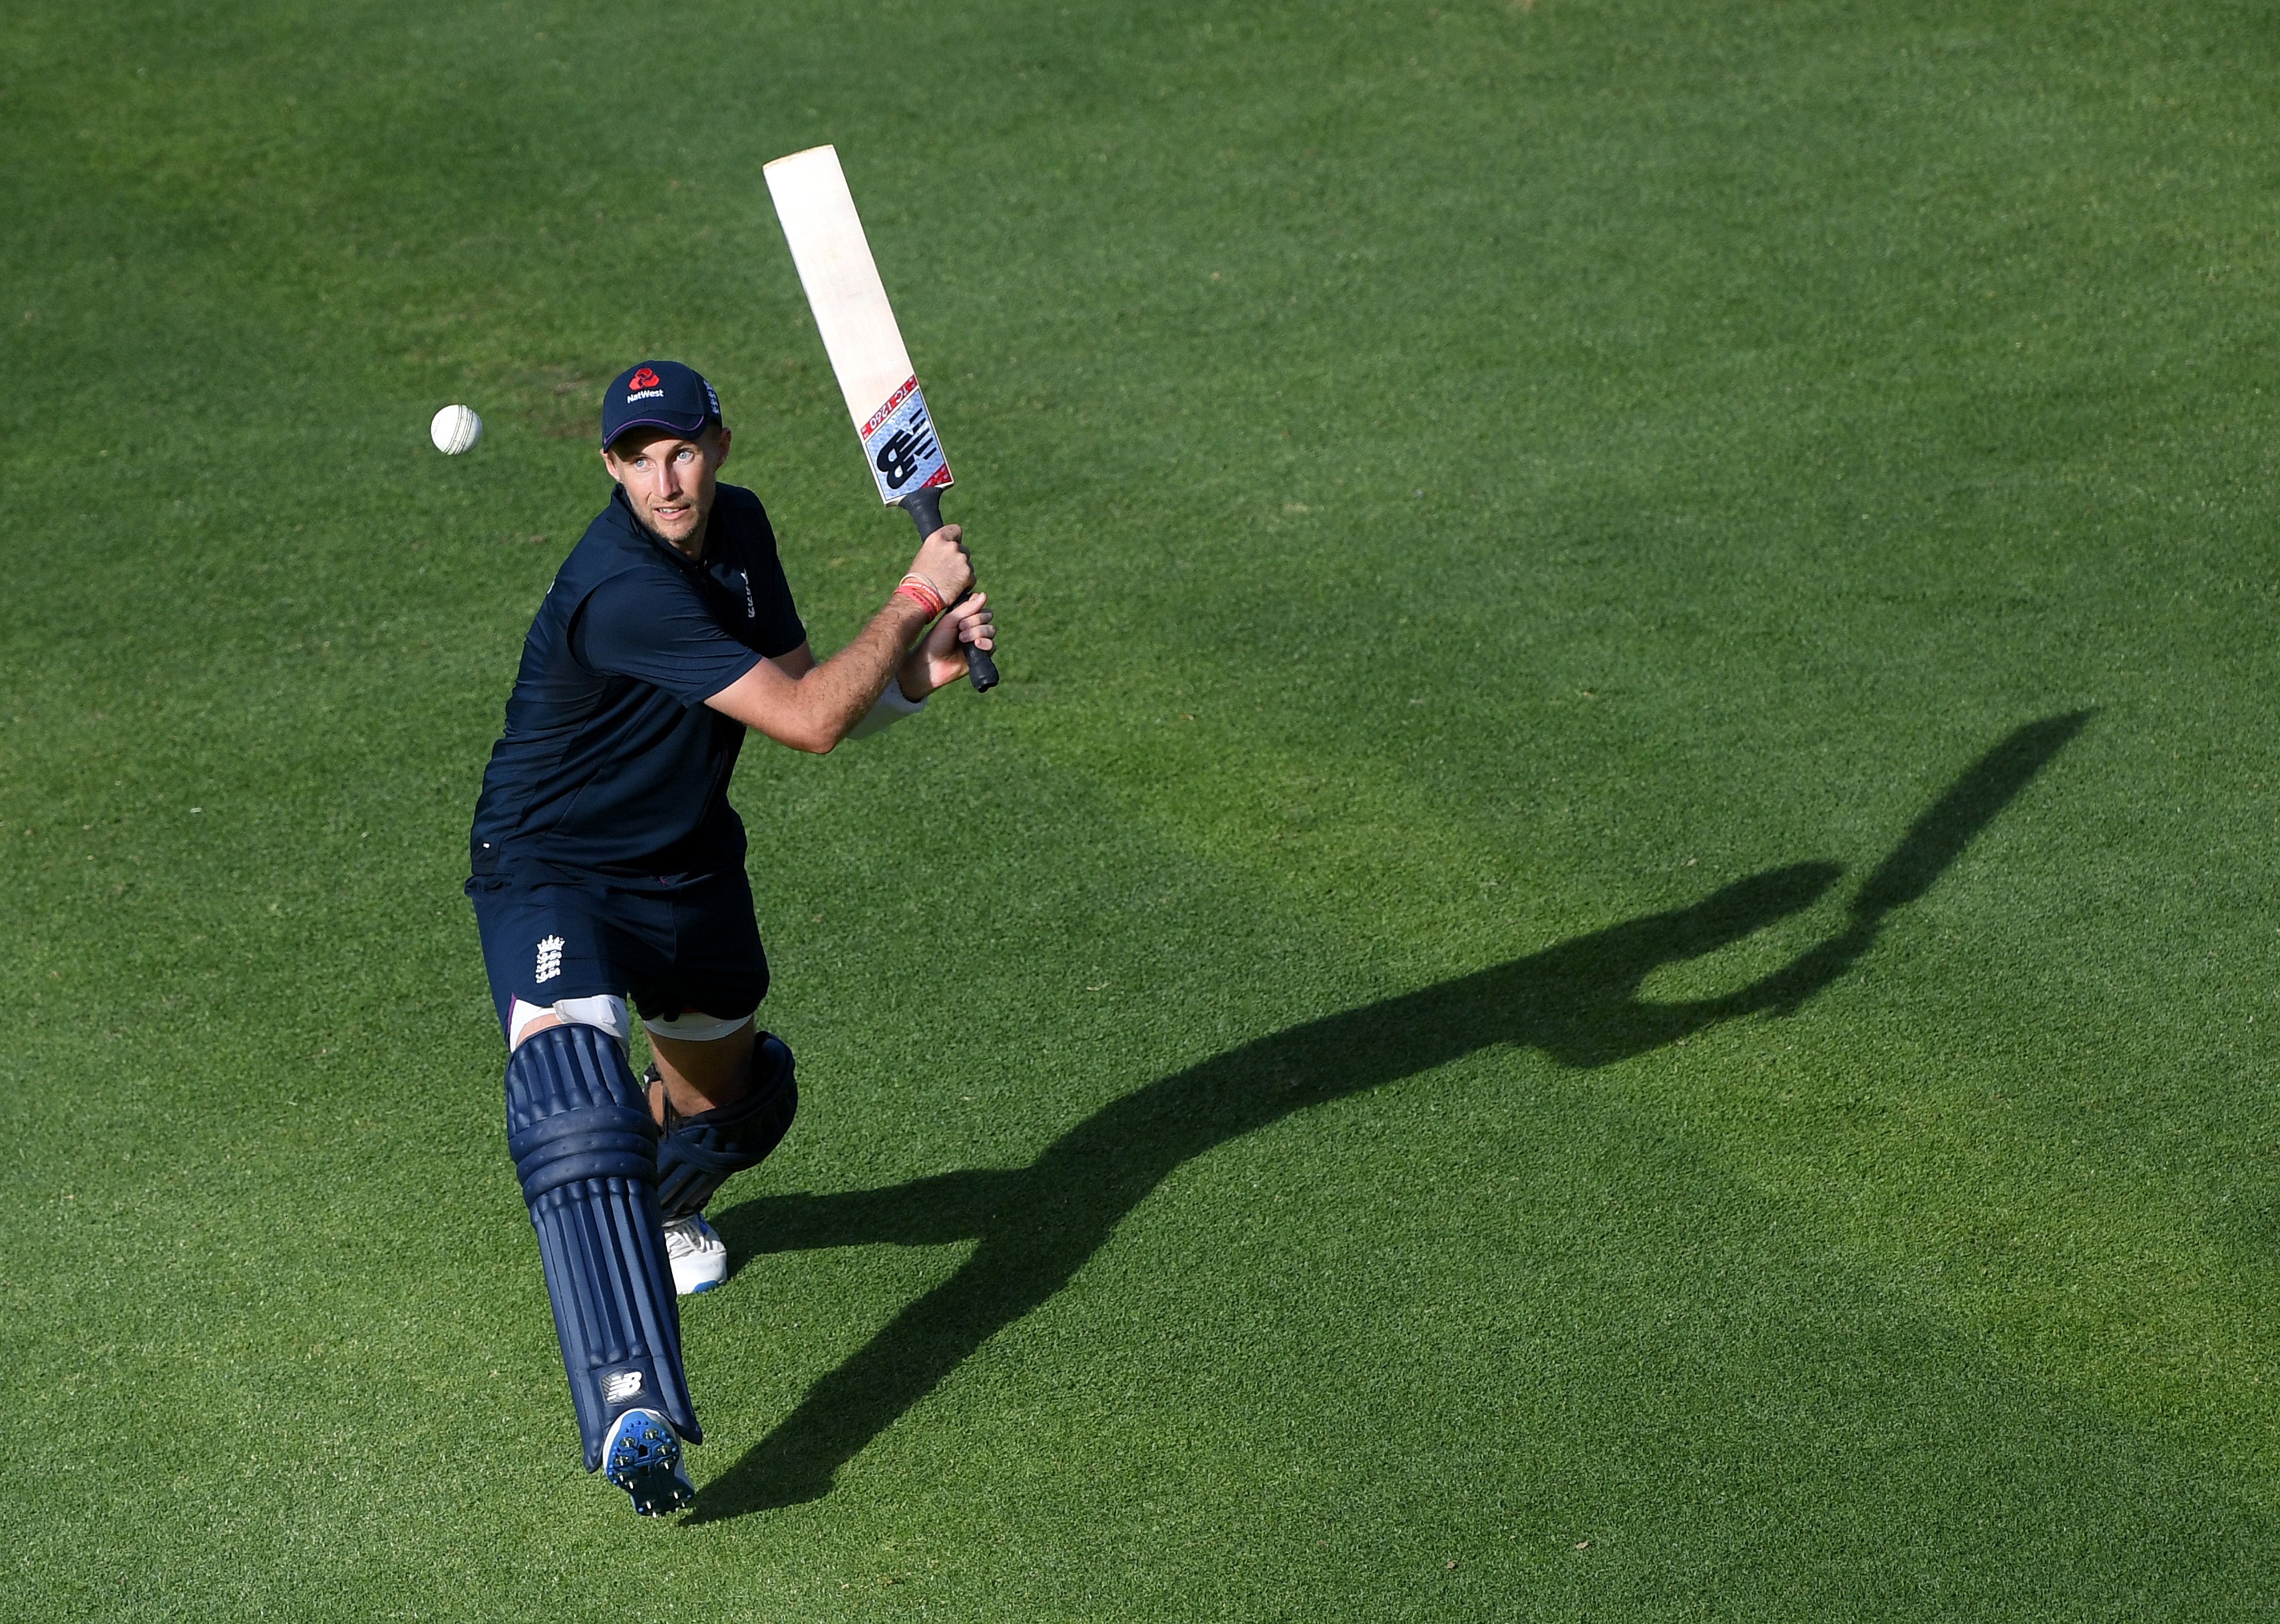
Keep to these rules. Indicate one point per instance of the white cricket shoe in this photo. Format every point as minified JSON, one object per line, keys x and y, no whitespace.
{"x":699,"y":1256}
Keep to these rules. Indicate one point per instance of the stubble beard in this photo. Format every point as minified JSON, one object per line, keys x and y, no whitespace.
{"x":692,"y":549}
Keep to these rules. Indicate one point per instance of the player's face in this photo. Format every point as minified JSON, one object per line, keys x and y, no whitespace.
{"x":670,"y":480}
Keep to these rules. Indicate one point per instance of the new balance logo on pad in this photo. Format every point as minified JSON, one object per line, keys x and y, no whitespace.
{"x":625,"y":1384}
{"x":550,"y":957}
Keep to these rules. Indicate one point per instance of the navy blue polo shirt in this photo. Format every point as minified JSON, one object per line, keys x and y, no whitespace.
{"x":613,"y":769}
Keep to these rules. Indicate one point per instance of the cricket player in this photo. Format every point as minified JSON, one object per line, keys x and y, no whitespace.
{"x":608,"y":865}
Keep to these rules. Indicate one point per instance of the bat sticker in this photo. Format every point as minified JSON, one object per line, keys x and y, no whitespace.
{"x":899,"y":439}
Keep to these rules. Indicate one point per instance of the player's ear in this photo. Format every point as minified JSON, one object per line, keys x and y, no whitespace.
{"x":720,"y":446}
{"x":610,"y":465}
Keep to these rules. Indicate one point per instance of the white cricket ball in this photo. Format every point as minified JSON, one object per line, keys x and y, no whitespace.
{"x":455,"y":429}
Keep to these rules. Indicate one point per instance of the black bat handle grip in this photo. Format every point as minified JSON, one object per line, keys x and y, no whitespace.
{"x":924,"y":506}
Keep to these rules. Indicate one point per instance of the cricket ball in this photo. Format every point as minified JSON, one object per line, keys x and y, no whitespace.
{"x":455,"y":429}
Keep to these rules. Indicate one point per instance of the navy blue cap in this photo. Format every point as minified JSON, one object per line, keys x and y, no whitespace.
{"x":658,"y":395}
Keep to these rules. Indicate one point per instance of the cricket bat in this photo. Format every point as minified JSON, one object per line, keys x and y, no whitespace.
{"x":874,"y":371}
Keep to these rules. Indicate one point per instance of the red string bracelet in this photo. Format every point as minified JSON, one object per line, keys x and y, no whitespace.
{"x":921,"y":593}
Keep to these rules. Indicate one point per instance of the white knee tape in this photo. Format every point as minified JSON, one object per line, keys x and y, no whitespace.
{"x":695,"y":1027}
{"x":604,"y":1009}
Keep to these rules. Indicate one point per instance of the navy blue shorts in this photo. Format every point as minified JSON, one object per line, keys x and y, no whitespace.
{"x":698,"y":948}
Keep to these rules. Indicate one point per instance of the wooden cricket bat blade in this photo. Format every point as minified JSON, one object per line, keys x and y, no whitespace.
{"x":858,"y":324}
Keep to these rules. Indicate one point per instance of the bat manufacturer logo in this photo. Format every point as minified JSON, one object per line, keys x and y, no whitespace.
{"x":903,"y":451}
{"x":899,"y":439}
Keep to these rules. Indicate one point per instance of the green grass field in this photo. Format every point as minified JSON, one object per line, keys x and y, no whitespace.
{"x":1611,"y":954}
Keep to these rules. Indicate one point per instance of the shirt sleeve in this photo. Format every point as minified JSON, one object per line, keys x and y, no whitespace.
{"x":655,"y":629}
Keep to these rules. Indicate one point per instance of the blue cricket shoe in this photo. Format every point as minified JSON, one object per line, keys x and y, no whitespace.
{"x":642,"y":1457}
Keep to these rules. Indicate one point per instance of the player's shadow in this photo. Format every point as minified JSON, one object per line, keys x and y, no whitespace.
{"x":1036,"y":1226}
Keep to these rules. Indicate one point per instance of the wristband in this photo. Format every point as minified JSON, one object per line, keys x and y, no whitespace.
{"x":920,"y":591}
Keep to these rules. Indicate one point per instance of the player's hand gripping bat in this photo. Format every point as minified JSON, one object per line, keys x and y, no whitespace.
{"x":866,"y":346}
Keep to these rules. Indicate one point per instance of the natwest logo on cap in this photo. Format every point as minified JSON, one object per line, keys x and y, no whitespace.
{"x":660,"y":394}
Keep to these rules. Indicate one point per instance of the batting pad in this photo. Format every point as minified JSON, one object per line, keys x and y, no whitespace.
{"x":585,"y":1149}
{"x":700,"y":1152}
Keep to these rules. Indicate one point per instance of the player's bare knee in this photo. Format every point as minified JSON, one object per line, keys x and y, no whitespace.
{"x":705,"y":1060}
